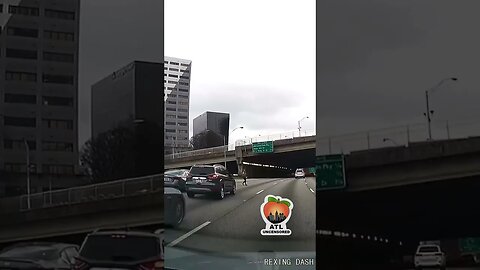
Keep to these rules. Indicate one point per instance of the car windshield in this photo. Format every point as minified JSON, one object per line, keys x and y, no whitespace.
{"x":175,"y":173}
{"x":202,"y":170}
{"x":126,"y":248}
{"x":31,"y":252}
{"x":428,"y":249}
{"x":299,"y":170}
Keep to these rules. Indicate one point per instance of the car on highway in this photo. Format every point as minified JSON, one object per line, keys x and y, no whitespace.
{"x":299,"y":173}
{"x":122,"y":249}
{"x":175,"y":179}
{"x":174,"y":206}
{"x":210,"y":179}
{"x":428,"y":256}
{"x":38,"y":255}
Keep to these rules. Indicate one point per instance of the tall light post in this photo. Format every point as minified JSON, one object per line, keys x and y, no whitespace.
{"x":27,"y":149}
{"x":300,"y":127}
{"x":225,"y":145}
{"x":429,"y":112}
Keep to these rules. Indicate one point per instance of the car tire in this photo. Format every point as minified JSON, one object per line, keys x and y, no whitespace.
{"x":221,"y":193}
{"x":190,"y":194}
{"x":234,"y":189}
{"x":179,"y":214}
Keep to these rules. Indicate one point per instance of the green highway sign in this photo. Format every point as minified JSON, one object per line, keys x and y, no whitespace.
{"x":312,"y":170}
{"x":468,"y":245}
{"x":262,"y":147}
{"x":330,"y":172}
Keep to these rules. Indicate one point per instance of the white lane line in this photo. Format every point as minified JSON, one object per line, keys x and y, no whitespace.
{"x":312,"y":190}
{"x":260,"y":191}
{"x":275,"y":183}
{"x":183,"y":237}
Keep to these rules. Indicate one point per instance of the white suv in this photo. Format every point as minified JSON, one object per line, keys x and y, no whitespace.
{"x":299,"y":173}
{"x":429,"y":256}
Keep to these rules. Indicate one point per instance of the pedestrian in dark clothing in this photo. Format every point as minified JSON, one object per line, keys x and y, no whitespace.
{"x":244,"y":174}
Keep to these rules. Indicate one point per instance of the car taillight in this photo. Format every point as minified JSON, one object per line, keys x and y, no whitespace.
{"x":79,"y":265}
{"x":156,"y":265}
{"x":189,"y":176}
{"x":213,"y":177}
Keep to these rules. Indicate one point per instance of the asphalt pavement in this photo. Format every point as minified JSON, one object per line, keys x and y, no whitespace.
{"x":234,"y":223}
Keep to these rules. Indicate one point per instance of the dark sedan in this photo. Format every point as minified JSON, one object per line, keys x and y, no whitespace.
{"x":175,"y":179}
{"x":210,"y":179}
{"x":38,"y":256}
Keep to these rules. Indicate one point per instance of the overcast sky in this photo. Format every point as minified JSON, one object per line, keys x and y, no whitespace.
{"x":377,"y":57}
{"x":112,"y":34}
{"x":252,"y":59}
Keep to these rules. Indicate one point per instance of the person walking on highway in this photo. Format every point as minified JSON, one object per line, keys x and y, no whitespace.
{"x":244,"y":174}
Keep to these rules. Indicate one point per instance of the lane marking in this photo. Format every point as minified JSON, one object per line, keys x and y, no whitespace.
{"x":275,"y":183}
{"x":260,"y":191}
{"x":312,"y":190}
{"x":185,"y":236}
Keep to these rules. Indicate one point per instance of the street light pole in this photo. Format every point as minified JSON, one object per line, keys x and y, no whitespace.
{"x":429,"y":112}
{"x":300,"y":127}
{"x":28,"y":172}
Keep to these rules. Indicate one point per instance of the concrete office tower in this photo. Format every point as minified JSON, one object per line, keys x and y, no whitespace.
{"x":177,"y":74}
{"x":38,"y":91}
{"x":128,"y":96}
{"x":214,"y":121}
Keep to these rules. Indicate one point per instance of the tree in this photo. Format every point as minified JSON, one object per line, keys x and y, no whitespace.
{"x":123,"y":152}
{"x":206,"y":139}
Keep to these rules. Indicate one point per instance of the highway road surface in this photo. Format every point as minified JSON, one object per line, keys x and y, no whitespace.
{"x":233,"y":225}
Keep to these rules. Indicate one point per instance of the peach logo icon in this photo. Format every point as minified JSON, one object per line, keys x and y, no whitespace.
{"x":276,"y":212}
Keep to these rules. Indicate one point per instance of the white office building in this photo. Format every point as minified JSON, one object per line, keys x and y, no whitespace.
{"x":177,"y":74}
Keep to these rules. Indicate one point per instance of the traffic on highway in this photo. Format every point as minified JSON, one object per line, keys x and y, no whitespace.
{"x":219,"y":220}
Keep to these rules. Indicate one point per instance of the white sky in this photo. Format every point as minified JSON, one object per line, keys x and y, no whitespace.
{"x":254,"y":59}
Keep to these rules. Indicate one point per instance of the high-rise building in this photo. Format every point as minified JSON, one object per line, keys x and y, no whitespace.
{"x":212,"y":121}
{"x":128,"y":96}
{"x":38,"y":89}
{"x":177,"y":73}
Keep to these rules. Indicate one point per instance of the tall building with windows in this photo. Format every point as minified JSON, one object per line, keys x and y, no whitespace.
{"x":177,"y":74}
{"x":38,"y":90}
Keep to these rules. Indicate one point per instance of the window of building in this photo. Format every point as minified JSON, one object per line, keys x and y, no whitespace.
{"x":169,"y":130}
{"x":65,"y":36}
{"x":22,"y":54}
{"x":22,"y":32}
{"x":19,"y":144}
{"x":20,"y":76}
{"x":60,"y":79}
{"x":182,"y":117}
{"x":1,"y":8}
{"x":57,"y":169}
{"x":184,"y":77}
{"x":170,"y":123}
{"x":19,"y":121}
{"x":183,"y":83}
{"x":171,"y":109}
{"x":57,"y":124}
{"x":58,"y":57}
{"x":19,"y":167}
{"x":183,"y":131}
{"x":173,"y":75}
{"x":183,"y":103}
{"x":165,"y":68}
{"x":172,"y":95}
{"x":59,"y":14}
{"x":186,"y":71}
{"x":57,"y":146}
{"x":57,"y":101}
{"x":19,"y":10}
{"x":174,"y":63}
{"x":183,"y":90}
{"x":172,"y":82}
{"x":185,"y":65}
{"x":20,"y":98}
{"x":182,"y":110}
{"x":171,"y":102}
{"x":174,"y":69}
{"x":171,"y":116}
{"x":182,"y":124}
{"x":183,"y":96}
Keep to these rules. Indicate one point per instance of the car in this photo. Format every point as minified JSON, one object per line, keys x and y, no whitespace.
{"x":174,"y":206}
{"x":210,"y":179}
{"x":175,"y":179}
{"x":121,"y":249}
{"x":299,"y":173}
{"x":428,"y":256}
{"x":38,"y":255}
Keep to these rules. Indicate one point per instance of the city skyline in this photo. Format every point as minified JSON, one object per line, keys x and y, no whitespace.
{"x":238,"y":69}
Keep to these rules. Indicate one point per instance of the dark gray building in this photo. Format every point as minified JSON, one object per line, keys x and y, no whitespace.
{"x":213,"y":121}
{"x":129,"y":95}
{"x":38,"y":92}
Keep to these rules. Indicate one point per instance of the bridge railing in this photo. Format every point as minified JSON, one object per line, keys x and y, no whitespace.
{"x":95,"y":192}
{"x":200,"y":152}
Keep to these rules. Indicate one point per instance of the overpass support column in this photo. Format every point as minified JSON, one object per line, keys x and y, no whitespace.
{"x":239,"y":158}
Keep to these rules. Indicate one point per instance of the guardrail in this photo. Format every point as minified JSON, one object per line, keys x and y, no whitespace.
{"x":200,"y":152}
{"x":95,"y":192}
